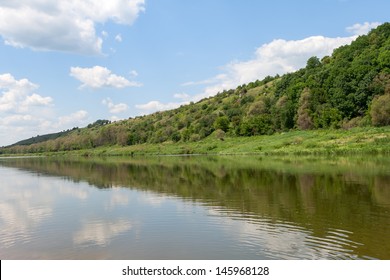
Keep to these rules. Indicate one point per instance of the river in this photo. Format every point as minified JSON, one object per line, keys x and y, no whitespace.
{"x":199,"y":207}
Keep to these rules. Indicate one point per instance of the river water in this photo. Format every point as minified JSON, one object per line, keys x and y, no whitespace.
{"x":195,"y":208}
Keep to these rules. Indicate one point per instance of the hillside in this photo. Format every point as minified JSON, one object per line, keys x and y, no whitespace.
{"x":42,"y":138}
{"x":350,"y":88}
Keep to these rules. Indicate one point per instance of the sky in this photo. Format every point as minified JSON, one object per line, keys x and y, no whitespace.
{"x":68,"y":63}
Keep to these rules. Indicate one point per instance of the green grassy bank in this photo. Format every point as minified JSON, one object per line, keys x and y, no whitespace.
{"x":369,"y":140}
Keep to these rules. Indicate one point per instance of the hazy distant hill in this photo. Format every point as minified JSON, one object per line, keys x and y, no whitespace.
{"x":42,"y":138}
{"x":350,"y":88}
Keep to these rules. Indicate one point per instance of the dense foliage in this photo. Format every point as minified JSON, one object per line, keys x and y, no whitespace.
{"x":350,"y":88}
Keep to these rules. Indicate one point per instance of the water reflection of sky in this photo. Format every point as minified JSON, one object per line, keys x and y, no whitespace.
{"x":54,"y":218}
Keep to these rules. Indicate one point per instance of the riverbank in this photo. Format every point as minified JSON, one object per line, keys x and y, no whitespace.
{"x":368,"y":140}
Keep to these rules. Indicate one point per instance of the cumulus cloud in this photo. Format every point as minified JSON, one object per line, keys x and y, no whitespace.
{"x":63,"y":25}
{"x":154,"y":106}
{"x":17,"y":120}
{"x":37,"y":100}
{"x":28,"y":125}
{"x":114,"y":108}
{"x":17,"y":96}
{"x":73,"y":119}
{"x":362,"y":28}
{"x":24,"y":113}
{"x":98,"y":76}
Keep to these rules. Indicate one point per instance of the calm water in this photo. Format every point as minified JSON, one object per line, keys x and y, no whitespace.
{"x":195,"y":208}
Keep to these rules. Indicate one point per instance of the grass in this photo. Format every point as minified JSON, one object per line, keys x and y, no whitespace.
{"x":368,"y":140}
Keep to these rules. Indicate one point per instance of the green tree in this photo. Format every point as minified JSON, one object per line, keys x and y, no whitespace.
{"x":257,"y":125}
{"x":327,"y":117}
{"x":222,"y":123}
{"x":313,"y":62}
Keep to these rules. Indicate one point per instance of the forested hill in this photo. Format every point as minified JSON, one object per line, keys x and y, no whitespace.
{"x":350,"y":88}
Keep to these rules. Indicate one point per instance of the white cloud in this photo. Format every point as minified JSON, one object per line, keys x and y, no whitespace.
{"x":183,"y":96}
{"x":362,"y":28}
{"x":118,"y":38}
{"x":63,"y":25}
{"x":15,"y":127}
{"x":17,"y":96}
{"x":37,"y":100}
{"x":133,"y":73}
{"x":115,"y":118}
{"x":98,"y":76}
{"x":114,"y":108}
{"x":24,"y":113}
{"x":16,"y":120}
{"x":154,"y":106}
{"x":203,"y":82}
{"x":74,"y":119}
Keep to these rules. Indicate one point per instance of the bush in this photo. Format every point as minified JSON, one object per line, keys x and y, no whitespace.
{"x":257,"y":108}
{"x":195,"y":137}
{"x":304,"y":119}
{"x":175,"y":137}
{"x":258,"y":125}
{"x":380,"y":110}
{"x":220,"y":134}
{"x":222,"y":123}
{"x":355,"y":122}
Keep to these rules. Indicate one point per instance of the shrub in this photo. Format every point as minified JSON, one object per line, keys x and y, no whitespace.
{"x":304,"y":119}
{"x":380,"y":110}
{"x":220,"y":134}
{"x":222,"y":123}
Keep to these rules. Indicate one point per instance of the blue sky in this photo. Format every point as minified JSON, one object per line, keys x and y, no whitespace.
{"x":67,"y":63}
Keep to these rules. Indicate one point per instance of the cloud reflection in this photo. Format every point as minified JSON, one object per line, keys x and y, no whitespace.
{"x":21,"y":209}
{"x":118,"y":198}
{"x":152,"y":199}
{"x":100,"y":232}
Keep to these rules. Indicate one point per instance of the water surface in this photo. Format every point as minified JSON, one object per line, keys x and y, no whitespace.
{"x":195,"y":208}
